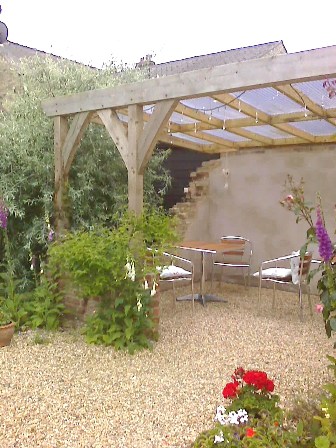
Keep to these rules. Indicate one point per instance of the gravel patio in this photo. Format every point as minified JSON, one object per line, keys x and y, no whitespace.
{"x":69,"y":394}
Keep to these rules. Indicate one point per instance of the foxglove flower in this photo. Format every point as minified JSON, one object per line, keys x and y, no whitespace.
{"x":51,"y":235}
{"x":3,"y":214}
{"x":325,"y":245}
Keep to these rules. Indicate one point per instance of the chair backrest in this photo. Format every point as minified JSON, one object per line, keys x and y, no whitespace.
{"x":243,"y":247}
{"x":305,"y":265}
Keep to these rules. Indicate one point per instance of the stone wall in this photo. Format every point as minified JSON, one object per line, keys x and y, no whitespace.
{"x":250,"y":205}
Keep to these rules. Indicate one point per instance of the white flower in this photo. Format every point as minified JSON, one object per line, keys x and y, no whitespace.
{"x":242,"y":416}
{"x":130,"y":270}
{"x":139,"y":305}
{"x":233,"y":418}
{"x":146,"y":284}
{"x":153,"y":291}
{"x":219,"y":438}
{"x":221,"y":416}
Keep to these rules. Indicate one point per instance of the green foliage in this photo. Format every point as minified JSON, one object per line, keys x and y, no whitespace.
{"x":98,"y":177}
{"x":304,"y":211}
{"x":12,"y":302}
{"x":41,"y":339}
{"x":5,"y":317}
{"x":122,"y":322}
{"x":264,"y":432}
{"x":327,"y":439}
{"x":112,"y":264}
{"x":45,"y":306}
{"x":253,"y":418}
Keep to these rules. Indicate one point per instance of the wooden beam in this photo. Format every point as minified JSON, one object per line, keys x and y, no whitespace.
{"x":60,"y":132}
{"x":237,"y":76}
{"x":149,"y":137}
{"x":73,"y":138}
{"x":117,"y":130}
{"x":135,"y":178}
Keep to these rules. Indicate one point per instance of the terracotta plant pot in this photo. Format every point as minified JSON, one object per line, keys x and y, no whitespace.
{"x":6,"y":334}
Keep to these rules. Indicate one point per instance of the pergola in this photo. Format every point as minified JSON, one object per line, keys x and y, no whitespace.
{"x":279,"y":101}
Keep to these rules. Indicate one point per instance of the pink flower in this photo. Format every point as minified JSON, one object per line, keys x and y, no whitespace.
{"x":319,"y":308}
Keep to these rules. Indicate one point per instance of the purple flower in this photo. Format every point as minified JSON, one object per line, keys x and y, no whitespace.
{"x":3,"y":214}
{"x":325,"y":245}
{"x":51,"y":235}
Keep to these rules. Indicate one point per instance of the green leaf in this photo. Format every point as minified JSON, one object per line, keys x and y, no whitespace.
{"x":322,"y":442}
{"x":129,"y":332}
{"x":333,"y":324}
{"x":127,"y":309}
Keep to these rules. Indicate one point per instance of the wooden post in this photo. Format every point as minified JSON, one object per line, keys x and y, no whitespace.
{"x":135,"y":179}
{"x":60,"y":133}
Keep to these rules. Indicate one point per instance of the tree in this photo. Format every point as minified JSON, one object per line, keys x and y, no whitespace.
{"x":98,"y":178}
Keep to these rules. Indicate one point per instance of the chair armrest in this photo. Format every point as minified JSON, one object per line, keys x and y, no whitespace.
{"x":274,"y":260}
{"x":178,"y":258}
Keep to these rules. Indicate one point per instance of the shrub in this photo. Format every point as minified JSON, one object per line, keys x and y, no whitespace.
{"x":113,"y":264}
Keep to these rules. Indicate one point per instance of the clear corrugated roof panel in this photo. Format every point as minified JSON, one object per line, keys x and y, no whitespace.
{"x":190,"y":138}
{"x":209,"y":106}
{"x":316,"y":127}
{"x":322,"y":92}
{"x":226,"y":135}
{"x":267,"y":131}
{"x":181,"y":118}
{"x":270,"y":101}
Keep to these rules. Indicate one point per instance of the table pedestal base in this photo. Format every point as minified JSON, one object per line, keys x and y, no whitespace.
{"x":202,"y":298}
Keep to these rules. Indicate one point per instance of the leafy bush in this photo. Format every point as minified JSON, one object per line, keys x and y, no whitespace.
{"x":113,"y":264}
{"x":45,"y":306}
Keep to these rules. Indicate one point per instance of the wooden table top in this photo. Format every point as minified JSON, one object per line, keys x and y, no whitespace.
{"x":212,"y":247}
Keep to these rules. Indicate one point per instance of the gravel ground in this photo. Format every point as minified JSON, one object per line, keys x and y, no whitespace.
{"x":70,"y":394}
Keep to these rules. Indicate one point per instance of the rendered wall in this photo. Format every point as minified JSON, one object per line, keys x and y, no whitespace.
{"x":250,"y":206}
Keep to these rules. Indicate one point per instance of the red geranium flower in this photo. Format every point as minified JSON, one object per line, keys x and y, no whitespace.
{"x":256,"y":378}
{"x":230,"y":390}
{"x":269,"y":386}
{"x":250,"y":432}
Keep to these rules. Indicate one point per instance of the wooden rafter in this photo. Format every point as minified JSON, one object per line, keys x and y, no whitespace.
{"x":306,"y":102}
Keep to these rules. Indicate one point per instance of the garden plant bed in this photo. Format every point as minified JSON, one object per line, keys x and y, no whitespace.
{"x":67,"y":393}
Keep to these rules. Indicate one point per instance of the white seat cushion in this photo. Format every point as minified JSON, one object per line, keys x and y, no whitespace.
{"x":275,"y":273}
{"x":172,"y":272}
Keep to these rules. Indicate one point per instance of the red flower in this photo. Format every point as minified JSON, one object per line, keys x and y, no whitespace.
{"x":256,"y":378}
{"x":250,"y":432}
{"x":269,"y":386}
{"x":230,"y":390}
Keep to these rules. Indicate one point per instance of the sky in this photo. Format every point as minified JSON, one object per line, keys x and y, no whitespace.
{"x":123,"y":31}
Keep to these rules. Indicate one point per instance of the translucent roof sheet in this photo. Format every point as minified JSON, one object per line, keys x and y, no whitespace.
{"x":270,"y":101}
{"x":226,"y":135}
{"x":316,"y":127}
{"x":267,"y":131}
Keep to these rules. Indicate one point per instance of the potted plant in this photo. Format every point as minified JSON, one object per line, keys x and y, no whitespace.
{"x":7,"y":327}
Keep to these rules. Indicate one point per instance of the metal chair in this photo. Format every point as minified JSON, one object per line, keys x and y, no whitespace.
{"x":176,"y":270}
{"x":238,"y":258}
{"x":290,"y":269}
